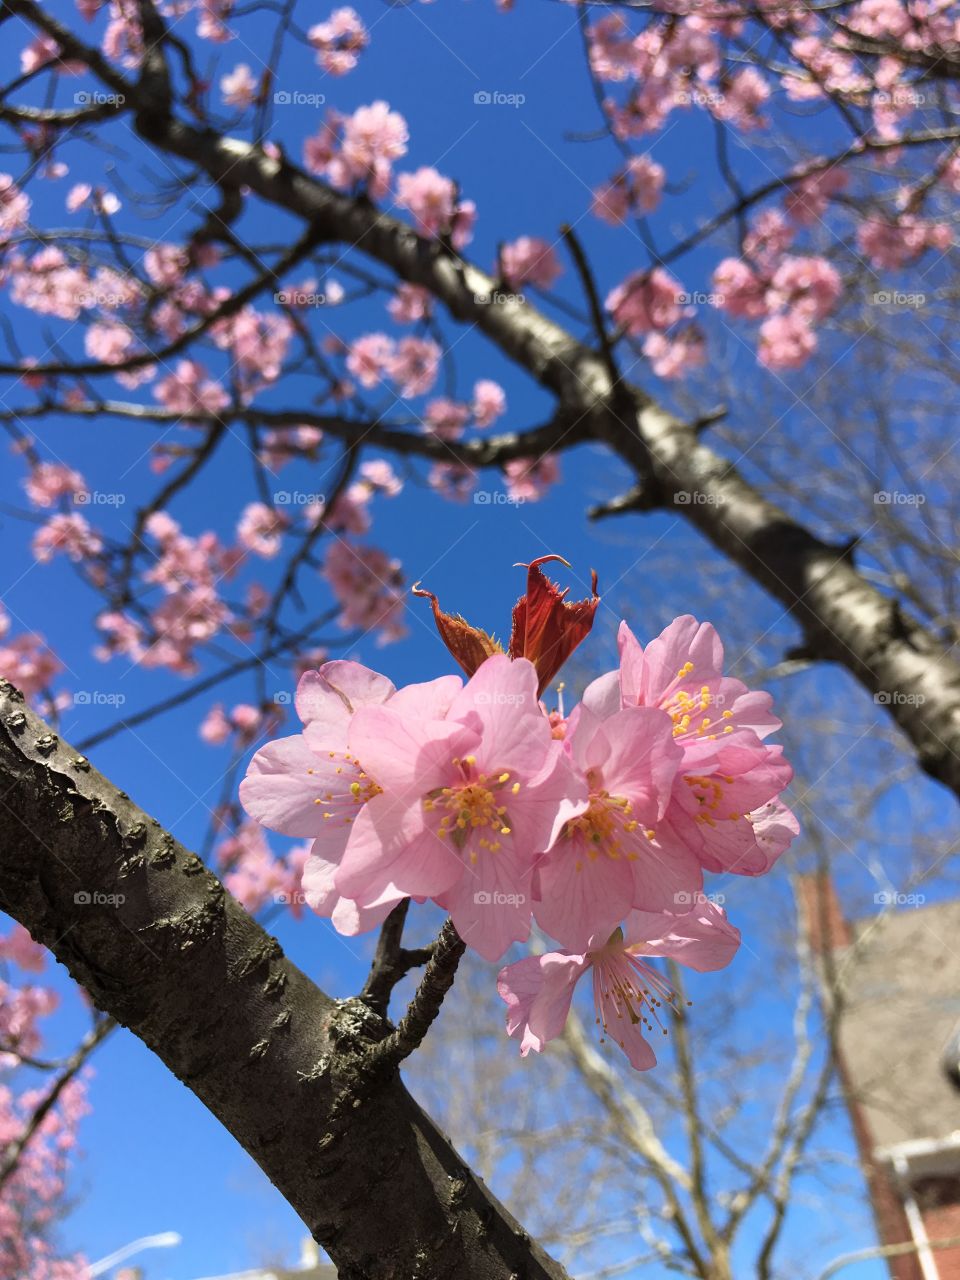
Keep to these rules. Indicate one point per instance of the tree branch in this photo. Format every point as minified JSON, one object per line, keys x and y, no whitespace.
{"x":159,"y":944}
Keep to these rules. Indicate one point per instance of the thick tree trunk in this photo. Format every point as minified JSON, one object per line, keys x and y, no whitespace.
{"x":158,"y":942}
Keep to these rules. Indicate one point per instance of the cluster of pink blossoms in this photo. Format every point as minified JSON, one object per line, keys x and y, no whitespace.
{"x":32,"y":1197}
{"x":597,"y":825}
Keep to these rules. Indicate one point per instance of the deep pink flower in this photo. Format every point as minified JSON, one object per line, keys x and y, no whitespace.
{"x":725,"y":807}
{"x":628,"y":992}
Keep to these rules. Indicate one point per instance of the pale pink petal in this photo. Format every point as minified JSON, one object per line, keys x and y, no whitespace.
{"x":282,"y":787}
{"x":337,"y":687}
{"x":323,"y":898}
{"x":642,"y":759}
{"x":490,"y":905}
{"x":391,"y":851}
{"x":703,"y":939}
{"x":537,"y":991}
{"x":405,"y":753}
{"x":503,"y":694}
{"x":602,"y":696}
{"x":431,"y":700}
{"x":584,"y":894}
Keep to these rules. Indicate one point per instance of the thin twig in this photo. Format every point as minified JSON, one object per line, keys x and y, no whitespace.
{"x":425,"y":1005}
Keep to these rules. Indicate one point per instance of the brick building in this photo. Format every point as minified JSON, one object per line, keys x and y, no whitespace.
{"x":902,"y":1010}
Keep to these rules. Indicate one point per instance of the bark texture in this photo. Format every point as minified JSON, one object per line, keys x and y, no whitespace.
{"x":159,"y":943}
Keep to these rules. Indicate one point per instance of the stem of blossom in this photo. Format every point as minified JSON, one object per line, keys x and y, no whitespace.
{"x":425,"y":1005}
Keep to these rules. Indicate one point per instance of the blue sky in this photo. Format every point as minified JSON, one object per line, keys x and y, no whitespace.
{"x":154,"y":1160}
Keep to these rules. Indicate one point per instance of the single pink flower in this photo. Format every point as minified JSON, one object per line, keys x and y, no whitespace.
{"x":628,"y":992}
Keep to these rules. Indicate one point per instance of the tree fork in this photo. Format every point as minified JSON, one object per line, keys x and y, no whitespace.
{"x":159,"y":944}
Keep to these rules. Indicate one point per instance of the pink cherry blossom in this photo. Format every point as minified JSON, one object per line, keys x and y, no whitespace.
{"x":768,"y":239}
{"x":675,"y":357}
{"x":410,"y":303}
{"x":489,"y":402}
{"x":434,"y":202}
{"x":96,"y":198}
{"x":466,"y":801}
{"x":787,"y":341}
{"x":446,"y":418}
{"x":165,"y":264}
{"x":373,"y":137}
{"x":452,"y":480}
{"x":739,"y":290}
{"x":808,"y":199}
{"x":370,"y":357}
{"x":110,"y":342}
{"x":742,"y":100}
{"x":261,"y":529}
{"x":368,"y":585}
{"x":529,"y":260}
{"x":378,"y":475}
{"x":20,"y":949}
{"x":529,"y":479}
{"x":70,"y":534}
{"x":612,"y":50}
{"x":211,"y":23}
{"x":724,"y":806}
{"x":646,"y":301}
{"x":635,"y":189}
{"x":604,"y":863}
{"x":809,"y":286}
{"x":894,"y":245}
{"x":320,"y":148}
{"x":239,"y":87}
{"x":254,"y":874}
{"x":48,"y":482}
{"x":189,"y":391}
{"x":414,"y":365}
{"x":339,"y":41}
{"x":215,"y":728}
{"x":311,"y":785}
{"x":628,"y":992}
{"x":281,"y":445}
{"x":14,"y":207}
{"x":50,"y":286}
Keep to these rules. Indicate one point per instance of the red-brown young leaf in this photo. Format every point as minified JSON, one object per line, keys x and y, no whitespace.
{"x":546,"y":627}
{"x":469,"y":645}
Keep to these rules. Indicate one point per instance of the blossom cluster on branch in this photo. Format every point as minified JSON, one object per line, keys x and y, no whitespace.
{"x":598,"y":825}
